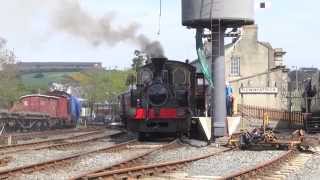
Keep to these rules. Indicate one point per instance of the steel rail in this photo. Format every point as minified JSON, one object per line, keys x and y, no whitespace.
{"x":30,"y":146}
{"x":21,"y":136}
{"x":149,"y":170}
{"x":126,"y":163}
{"x":56,"y":162}
{"x":247,"y":173}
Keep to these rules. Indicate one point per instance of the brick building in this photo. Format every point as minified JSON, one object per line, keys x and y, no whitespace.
{"x":256,"y":71}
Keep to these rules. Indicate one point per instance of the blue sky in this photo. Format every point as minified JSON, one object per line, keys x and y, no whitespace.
{"x":27,"y":28}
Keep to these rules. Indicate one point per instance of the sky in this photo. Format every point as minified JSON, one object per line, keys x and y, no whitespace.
{"x":30,"y":28}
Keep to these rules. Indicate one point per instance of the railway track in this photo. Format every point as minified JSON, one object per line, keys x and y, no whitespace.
{"x":132,"y":169}
{"x":59,"y":162}
{"x":44,"y":134}
{"x":277,"y":168}
{"x":130,"y":162}
{"x":65,"y":161}
{"x":53,"y":143}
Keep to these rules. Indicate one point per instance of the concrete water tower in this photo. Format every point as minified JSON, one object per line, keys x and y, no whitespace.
{"x":217,"y":16}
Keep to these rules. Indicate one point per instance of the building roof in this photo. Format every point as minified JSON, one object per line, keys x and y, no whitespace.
{"x":266,"y":44}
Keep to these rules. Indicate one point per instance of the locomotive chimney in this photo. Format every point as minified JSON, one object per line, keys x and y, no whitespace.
{"x":158,"y":64}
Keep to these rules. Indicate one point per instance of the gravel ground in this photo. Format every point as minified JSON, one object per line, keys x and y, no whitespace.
{"x":311,"y":169}
{"x":32,"y":157}
{"x":58,"y":136}
{"x":64,"y":141}
{"x":179,"y":153}
{"x":45,"y":135}
{"x":67,"y":135}
{"x":85,"y":164}
{"x":219,"y":165}
{"x":29,"y":157}
{"x":229,"y":162}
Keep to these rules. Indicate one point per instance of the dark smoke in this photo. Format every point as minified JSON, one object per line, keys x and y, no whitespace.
{"x":151,"y":48}
{"x":72,"y":19}
{"x":3,"y":42}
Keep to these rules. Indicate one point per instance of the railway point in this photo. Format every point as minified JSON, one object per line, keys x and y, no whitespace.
{"x":185,"y":89}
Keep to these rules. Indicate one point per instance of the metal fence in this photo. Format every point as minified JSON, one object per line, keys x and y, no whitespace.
{"x":294,"y":118}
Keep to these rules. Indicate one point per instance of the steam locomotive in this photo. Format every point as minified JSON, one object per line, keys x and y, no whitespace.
{"x":164,"y":100}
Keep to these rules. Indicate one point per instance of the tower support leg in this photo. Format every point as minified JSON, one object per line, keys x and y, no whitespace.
{"x":218,"y":92}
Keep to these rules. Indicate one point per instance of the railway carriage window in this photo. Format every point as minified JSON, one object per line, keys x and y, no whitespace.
{"x":179,"y":76}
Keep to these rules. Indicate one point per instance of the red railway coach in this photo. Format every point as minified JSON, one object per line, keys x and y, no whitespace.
{"x":54,"y":111}
{"x":37,"y":103}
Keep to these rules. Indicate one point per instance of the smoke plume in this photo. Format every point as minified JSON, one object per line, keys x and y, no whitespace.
{"x":151,"y":48}
{"x":3,"y":42}
{"x":72,"y":19}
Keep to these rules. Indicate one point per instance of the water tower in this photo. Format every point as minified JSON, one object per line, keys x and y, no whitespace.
{"x":217,"y":16}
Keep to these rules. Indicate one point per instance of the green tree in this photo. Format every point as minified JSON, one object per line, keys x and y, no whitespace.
{"x":11,"y":87}
{"x":137,"y":62}
{"x":99,"y":85}
{"x":10,"y":84}
{"x":131,"y":79}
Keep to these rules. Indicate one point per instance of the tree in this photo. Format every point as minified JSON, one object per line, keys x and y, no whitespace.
{"x":11,"y":87}
{"x":137,"y":62}
{"x":100,"y":85}
{"x":131,"y":79}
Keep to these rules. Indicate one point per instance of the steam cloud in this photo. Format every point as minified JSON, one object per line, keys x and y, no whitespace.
{"x":72,"y":19}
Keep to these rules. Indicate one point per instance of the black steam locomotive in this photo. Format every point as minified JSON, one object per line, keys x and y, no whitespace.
{"x":164,"y":100}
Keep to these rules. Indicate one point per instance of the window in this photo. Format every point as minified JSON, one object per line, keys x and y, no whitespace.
{"x":179,"y":76}
{"x":235,"y":66}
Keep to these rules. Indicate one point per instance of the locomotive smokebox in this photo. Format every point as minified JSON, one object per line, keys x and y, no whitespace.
{"x":158,"y":64}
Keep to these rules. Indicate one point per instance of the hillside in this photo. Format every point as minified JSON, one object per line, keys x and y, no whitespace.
{"x":34,"y":81}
